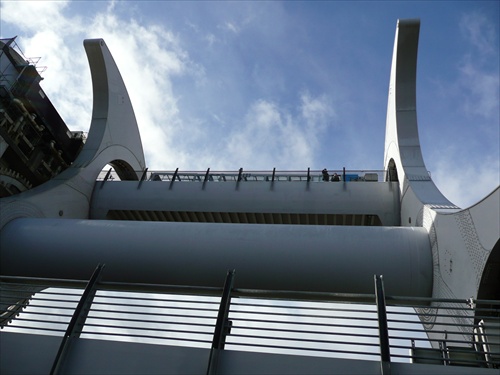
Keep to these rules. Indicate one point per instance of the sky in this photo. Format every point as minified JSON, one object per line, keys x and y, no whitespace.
{"x":290,"y":85}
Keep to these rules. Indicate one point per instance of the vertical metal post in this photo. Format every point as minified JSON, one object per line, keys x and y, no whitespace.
{"x":272,"y":179}
{"x":143,"y":177}
{"x":205,"y":179}
{"x":308,"y":174}
{"x":383,"y":330}
{"x":222,"y":325}
{"x":78,"y":319}
{"x":173,"y":178}
{"x":240,"y":172}
{"x":343,"y":174}
{"x":446,"y":352}
{"x":105,"y":178}
{"x":144,"y":174}
{"x":206,"y":175}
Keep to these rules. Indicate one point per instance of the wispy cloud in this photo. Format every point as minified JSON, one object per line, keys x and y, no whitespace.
{"x":272,"y":136}
{"x":480,"y":89}
{"x":463,"y":186}
{"x":469,"y":172}
{"x":46,"y":32}
{"x":148,"y":56}
{"x":479,"y":80}
{"x":37,"y":15}
{"x":479,"y":32}
{"x":247,"y":85}
{"x":316,"y":111}
{"x":231,"y":27}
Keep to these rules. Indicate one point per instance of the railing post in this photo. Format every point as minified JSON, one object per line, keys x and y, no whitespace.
{"x":173,"y":178}
{"x":383,"y":330}
{"x":222,"y":325}
{"x":77,"y":321}
{"x":143,"y":177}
{"x":207,"y":175}
{"x":105,"y":178}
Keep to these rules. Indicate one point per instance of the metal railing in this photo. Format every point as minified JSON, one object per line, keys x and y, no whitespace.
{"x":254,"y":175}
{"x":301,"y":323}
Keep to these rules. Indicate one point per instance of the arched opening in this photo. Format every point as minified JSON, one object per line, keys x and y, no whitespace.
{"x":124,"y":171}
{"x":392,"y":172}
{"x":489,"y":288}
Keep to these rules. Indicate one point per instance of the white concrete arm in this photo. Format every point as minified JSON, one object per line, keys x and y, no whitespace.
{"x":462,"y":241}
{"x":113,"y":130}
{"x":402,"y":145}
{"x":113,"y":139}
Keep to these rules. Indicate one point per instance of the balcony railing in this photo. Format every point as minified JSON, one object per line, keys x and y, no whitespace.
{"x":255,"y":175}
{"x":366,"y":327}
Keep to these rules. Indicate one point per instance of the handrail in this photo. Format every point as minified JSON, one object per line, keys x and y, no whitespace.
{"x":273,"y":175}
{"x":222,"y":325}
{"x":78,"y":319}
{"x":326,"y":324}
{"x":385,"y":348}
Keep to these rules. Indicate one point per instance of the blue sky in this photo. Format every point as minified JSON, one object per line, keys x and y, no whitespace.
{"x":289,"y":85}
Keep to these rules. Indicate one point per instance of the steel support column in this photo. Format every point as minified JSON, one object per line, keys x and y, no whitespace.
{"x":222,"y":326}
{"x":383,"y":331}
{"x":78,"y":319}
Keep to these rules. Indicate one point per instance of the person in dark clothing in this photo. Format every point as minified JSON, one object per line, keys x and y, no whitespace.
{"x":335,"y":177}
{"x":326,"y":176}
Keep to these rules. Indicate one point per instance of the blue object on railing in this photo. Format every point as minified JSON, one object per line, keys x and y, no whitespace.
{"x":351,"y":177}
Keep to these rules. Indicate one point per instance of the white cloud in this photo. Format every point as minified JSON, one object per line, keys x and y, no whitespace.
{"x":478,"y":31}
{"x":465,"y":181}
{"x":479,"y":80}
{"x":35,"y":15}
{"x":148,"y":57}
{"x":47,"y":33}
{"x":273,"y":137}
{"x":263,"y":134}
{"x":464,"y":156}
{"x":316,"y":111}
{"x":480,"y":89}
{"x":232,"y":27}
{"x":211,"y":39}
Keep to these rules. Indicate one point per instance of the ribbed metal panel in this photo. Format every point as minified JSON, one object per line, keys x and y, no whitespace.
{"x":245,"y":217}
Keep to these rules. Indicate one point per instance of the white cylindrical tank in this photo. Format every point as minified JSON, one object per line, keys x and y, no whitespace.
{"x":276,"y":257}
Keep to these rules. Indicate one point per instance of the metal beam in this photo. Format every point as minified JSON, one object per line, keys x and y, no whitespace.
{"x":78,"y":319}
{"x":385,"y":353}
{"x":106,"y":178}
{"x":143,"y":177}
{"x":223,"y":325}
{"x":173,"y":178}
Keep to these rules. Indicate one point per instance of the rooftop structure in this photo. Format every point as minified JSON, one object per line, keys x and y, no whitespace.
{"x":247,"y":271}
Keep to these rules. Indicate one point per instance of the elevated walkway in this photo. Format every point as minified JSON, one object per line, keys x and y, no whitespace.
{"x":360,"y":198}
